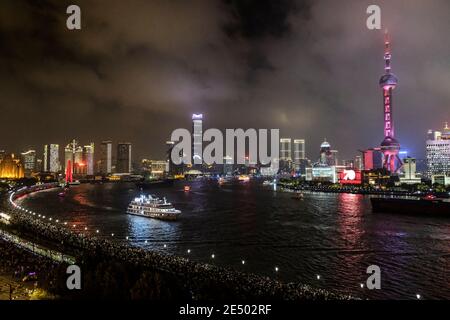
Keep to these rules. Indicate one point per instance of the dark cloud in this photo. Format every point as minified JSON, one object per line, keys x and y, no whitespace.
{"x":256,"y":19}
{"x":138,"y":69}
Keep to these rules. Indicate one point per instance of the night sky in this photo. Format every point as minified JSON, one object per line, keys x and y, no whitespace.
{"x":138,"y":69}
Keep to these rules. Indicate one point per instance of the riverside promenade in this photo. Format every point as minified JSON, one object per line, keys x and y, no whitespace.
{"x":182,"y":278}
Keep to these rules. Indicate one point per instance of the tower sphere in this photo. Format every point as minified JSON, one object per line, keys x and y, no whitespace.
{"x":389,"y":80}
{"x":390,"y":142}
{"x":325,"y":144}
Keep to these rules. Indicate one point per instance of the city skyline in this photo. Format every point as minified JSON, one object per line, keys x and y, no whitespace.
{"x":112,"y":156}
{"x":214,"y":158}
{"x":140,"y":93}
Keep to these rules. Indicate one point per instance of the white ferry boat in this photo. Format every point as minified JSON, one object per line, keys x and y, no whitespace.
{"x":153,"y":207}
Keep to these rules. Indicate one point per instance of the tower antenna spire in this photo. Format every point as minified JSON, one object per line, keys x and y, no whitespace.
{"x":387,"y":51}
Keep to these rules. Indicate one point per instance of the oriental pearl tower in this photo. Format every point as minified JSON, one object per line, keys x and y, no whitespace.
{"x":390,"y":147}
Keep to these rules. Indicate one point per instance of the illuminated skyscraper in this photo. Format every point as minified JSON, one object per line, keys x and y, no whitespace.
{"x":334,"y":160}
{"x":409,"y":172}
{"x":69,"y":154}
{"x":299,"y":151}
{"x":390,"y":147}
{"x":88,"y":158}
{"x":197,"y":135}
{"x":123,"y":157}
{"x":358,"y":163}
{"x":285,"y":154}
{"x":325,"y":154}
{"x":106,"y":157}
{"x":39,"y":165}
{"x":372,"y":159}
{"x":29,"y":161}
{"x":438,"y":152}
{"x":174,"y":155}
{"x":285,"y":149}
{"x":51,"y":158}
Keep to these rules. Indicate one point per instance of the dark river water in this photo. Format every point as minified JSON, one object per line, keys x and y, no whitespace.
{"x":335,"y":236}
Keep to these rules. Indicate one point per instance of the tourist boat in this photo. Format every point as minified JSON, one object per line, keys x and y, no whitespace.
{"x":153,"y":207}
{"x":426,"y":206}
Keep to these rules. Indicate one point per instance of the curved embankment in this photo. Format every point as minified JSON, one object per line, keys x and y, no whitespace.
{"x":130,"y":272}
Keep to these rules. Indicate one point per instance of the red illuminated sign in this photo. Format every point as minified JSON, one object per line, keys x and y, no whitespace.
{"x":350,"y":177}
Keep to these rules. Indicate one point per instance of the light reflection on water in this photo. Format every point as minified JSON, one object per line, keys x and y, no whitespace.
{"x":332,"y":235}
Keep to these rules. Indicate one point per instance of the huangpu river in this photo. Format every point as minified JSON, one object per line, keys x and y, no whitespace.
{"x":325,"y":240}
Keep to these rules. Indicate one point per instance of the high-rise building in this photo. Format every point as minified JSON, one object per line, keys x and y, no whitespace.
{"x":299,"y":152}
{"x":197,"y":143}
{"x":106,"y":157}
{"x":327,"y":156}
{"x":39,"y":165}
{"x":88,"y":158}
{"x":372,"y":159}
{"x":29,"y":161}
{"x":123,"y":164}
{"x":285,"y":155}
{"x":358,"y":163}
{"x":285,"y":149}
{"x":51,"y":158}
{"x":438,"y":152}
{"x":334,"y":160}
{"x":69,"y":154}
{"x":390,"y":147}
{"x":154,"y":168}
{"x":78,"y":165}
{"x":174,"y":155}
{"x":409,"y":172}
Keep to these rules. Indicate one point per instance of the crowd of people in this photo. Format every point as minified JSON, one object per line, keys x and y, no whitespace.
{"x":197,"y":281}
{"x":23,"y":269}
